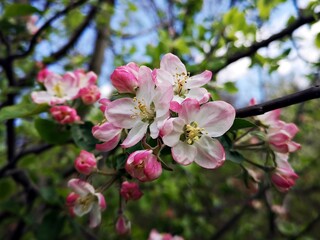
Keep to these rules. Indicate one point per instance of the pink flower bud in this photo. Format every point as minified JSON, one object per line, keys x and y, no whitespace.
{"x":123,"y":226}
{"x":90,"y":94}
{"x":85,"y":162}
{"x":42,"y":75}
{"x":104,"y":102}
{"x":64,"y":114}
{"x":125,"y":78}
{"x":143,"y":165}
{"x":70,"y":202}
{"x":130,"y":191}
{"x":283,"y":177}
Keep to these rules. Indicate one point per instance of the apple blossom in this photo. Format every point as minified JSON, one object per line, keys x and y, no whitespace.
{"x":88,"y":201}
{"x":130,"y":191}
{"x":43,"y":74}
{"x":107,"y":133}
{"x":280,"y":135}
{"x":84,"y":79}
{"x":283,"y":177}
{"x":190,"y":135}
{"x":85,"y":163}
{"x":123,"y":226}
{"x":59,"y":89}
{"x":155,"y":235}
{"x":70,"y":201}
{"x":150,"y":108}
{"x":172,"y":71}
{"x":143,"y":165}
{"x":125,"y":78}
{"x":90,"y":94}
{"x":64,"y":114}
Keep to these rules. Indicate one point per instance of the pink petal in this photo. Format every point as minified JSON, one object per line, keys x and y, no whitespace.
{"x":106,"y":131}
{"x":108,"y":146}
{"x":163,"y":77}
{"x":184,"y":153}
{"x":270,"y":118}
{"x":200,"y":94}
{"x":172,"y":64}
{"x":216,"y":117}
{"x":293,"y":146}
{"x":135,"y":134}
{"x":172,"y":130}
{"x":146,"y":89}
{"x":120,"y":113}
{"x":210,"y":153}
{"x":199,"y":80}
{"x":80,"y":187}
{"x":189,"y":110}
{"x":291,"y":129}
{"x":101,"y":201}
{"x":95,"y":216}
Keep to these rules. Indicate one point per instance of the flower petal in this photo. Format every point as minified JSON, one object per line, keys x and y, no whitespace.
{"x":80,"y":187}
{"x":216,"y":117}
{"x":172,"y":64}
{"x":210,"y":153}
{"x":135,"y":134}
{"x":199,"y":80}
{"x":200,"y":94}
{"x":108,"y":146}
{"x":120,"y":113}
{"x":171,"y":131}
{"x":189,"y":110}
{"x":95,"y":216}
{"x":184,"y":153}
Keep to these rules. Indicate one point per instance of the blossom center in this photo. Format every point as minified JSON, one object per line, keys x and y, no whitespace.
{"x":146,"y":114}
{"x":191,"y":133}
{"x":57,"y":89}
{"x":180,"y":81}
{"x":86,"y":202}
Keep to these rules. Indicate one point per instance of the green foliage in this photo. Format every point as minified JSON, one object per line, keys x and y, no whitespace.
{"x":51,"y":131}
{"x":82,"y":136}
{"x":18,"y":10}
{"x":22,"y":110}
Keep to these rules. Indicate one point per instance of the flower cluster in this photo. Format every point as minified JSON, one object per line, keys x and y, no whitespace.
{"x":61,"y":90}
{"x":275,"y":136}
{"x":155,"y":111}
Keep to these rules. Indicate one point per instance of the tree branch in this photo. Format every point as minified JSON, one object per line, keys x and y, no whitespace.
{"x":74,"y":38}
{"x":247,"y":52}
{"x":46,"y":25}
{"x":298,"y":97}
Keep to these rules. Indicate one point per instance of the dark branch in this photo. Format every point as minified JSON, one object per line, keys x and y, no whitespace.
{"x":298,"y":97}
{"x":46,"y":25}
{"x":74,"y":38}
{"x":247,"y":52}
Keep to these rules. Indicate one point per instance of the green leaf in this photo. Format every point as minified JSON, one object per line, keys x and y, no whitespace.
{"x":19,"y":9}
{"x":231,"y":155}
{"x":234,"y":156}
{"x":52,"y":132}
{"x":22,"y":110}
{"x":317,"y":40}
{"x":50,"y":227}
{"x":230,"y":87}
{"x":83,"y":137}
{"x":240,"y":123}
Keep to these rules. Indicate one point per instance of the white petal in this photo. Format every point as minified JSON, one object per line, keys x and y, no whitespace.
{"x":184,"y":153}
{"x":172,"y":64}
{"x":216,"y":118}
{"x":95,"y":216}
{"x":173,"y":131}
{"x":135,"y":134}
{"x":121,"y":113}
{"x":80,"y":187}
{"x":210,"y":153}
{"x":199,"y":80}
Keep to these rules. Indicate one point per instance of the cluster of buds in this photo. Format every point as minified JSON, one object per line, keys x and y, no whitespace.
{"x":274,"y":137}
{"x":60,"y":90}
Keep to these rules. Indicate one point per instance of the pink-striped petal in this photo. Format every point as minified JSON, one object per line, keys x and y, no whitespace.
{"x":184,"y":153}
{"x":172,"y":64}
{"x":135,"y":134}
{"x":216,"y":118}
{"x":199,"y":80}
{"x":210,"y":153}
